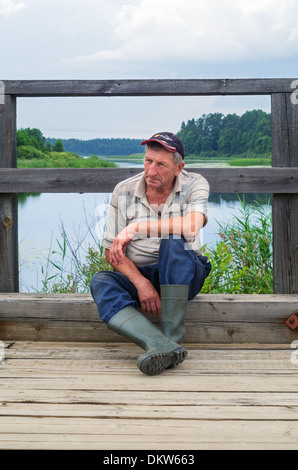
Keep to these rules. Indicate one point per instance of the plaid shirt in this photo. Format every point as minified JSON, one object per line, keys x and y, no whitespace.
{"x":129,"y":204}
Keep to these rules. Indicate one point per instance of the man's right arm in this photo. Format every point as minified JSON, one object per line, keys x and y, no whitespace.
{"x":149,"y":298}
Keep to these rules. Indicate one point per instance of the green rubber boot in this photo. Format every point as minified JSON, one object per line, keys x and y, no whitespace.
{"x":161,"y":354}
{"x":174,"y":300}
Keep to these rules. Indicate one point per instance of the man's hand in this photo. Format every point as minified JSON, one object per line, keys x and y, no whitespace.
{"x":149,"y":298}
{"x":119,"y":245}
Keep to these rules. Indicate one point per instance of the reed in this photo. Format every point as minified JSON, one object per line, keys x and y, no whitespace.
{"x":242,"y":258}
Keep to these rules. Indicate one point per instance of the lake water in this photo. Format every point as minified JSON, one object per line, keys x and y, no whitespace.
{"x":42,"y":218}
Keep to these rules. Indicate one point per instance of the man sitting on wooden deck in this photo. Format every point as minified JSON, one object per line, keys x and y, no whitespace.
{"x":152,"y":242}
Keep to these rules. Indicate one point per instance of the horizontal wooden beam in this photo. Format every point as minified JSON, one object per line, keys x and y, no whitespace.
{"x":167,"y":87}
{"x":211,"y":318}
{"x":103,"y":180}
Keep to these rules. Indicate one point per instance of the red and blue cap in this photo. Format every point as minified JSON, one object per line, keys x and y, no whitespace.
{"x":169,"y":141}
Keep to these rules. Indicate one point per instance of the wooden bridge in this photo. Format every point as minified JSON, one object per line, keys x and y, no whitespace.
{"x":67,"y":382}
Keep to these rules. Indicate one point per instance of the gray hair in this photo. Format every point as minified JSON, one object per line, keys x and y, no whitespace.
{"x":177,"y":158}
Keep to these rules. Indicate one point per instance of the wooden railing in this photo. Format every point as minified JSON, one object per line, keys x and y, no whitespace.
{"x":281,"y":180}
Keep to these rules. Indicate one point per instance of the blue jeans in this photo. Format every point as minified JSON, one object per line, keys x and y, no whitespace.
{"x":113,"y":291}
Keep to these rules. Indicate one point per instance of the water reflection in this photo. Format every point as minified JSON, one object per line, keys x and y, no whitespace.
{"x":263,"y":199}
{"x":216,"y":198}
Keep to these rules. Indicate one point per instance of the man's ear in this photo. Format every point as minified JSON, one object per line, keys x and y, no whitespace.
{"x":180,"y":168}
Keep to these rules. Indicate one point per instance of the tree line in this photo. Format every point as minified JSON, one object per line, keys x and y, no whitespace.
{"x":35,"y":151}
{"x":211,"y":135}
{"x":102,"y":147}
{"x":214,"y":135}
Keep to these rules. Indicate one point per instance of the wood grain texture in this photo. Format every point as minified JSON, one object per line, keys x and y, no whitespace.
{"x":285,"y":206}
{"x":9,"y":278}
{"x":72,"y":396}
{"x":102,"y":180}
{"x":210,"y":318}
{"x":159,"y":87}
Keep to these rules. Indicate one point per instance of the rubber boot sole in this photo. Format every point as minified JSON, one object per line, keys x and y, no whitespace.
{"x":157,"y":363}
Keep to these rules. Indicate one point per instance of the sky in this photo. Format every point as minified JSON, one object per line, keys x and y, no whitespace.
{"x":142,"y":39}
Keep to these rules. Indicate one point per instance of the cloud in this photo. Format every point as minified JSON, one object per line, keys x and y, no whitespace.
{"x":8,"y":7}
{"x":165,"y":31}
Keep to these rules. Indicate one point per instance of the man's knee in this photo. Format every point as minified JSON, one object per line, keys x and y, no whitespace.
{"x":99,"y":280}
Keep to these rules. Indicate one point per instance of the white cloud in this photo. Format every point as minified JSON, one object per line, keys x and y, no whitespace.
{"x":198,"y":30}
{"x":8,"y":7}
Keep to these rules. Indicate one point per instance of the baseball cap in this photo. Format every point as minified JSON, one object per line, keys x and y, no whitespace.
{"x":169,"y":141}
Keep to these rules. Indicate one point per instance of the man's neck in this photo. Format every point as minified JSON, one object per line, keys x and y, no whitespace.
{"x":157,"y":197}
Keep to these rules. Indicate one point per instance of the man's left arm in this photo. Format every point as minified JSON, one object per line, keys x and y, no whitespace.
{"x":187,"y":226}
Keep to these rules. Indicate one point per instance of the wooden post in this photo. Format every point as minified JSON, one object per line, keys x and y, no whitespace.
{"x":285,"y":206}
{"x":9,"y":278}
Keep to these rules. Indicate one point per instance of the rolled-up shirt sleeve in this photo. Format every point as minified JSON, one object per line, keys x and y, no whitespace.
{"x":197,"y":197}
{"x":115,"y":221}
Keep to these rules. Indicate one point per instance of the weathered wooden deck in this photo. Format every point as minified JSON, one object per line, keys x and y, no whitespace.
{"x":90,"y":395}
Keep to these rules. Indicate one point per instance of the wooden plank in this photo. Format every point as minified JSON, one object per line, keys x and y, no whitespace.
{"x":209,"y":318}
{"x":104,"y":360}
{"x":202,"y":331}
{"x":82,"y":351}
{"x":284,"y":132}
{"x":18,"y":396}
{"x":9,"y":264}
{"x":179,"y":380}
{"x":285,"y":243}
{"x":8,"y":153}
{"x":208,"y":436}
{"x":147,"y":411}
{"x":153,"y":87}
{"x":231,"y":369}
{"x":197,"y":363}
{"x":285,"y":206}
{"x":64,"y":396}
{"x":101,"y":180}
{"x":9,"y":281}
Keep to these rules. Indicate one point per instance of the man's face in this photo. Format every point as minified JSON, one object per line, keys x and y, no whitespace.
{"x":160,"y":169}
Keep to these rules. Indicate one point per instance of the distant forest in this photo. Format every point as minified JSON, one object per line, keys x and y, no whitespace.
{"x":215,"y":135}
{"x":212,"y":135}
{"x":101,"y":147}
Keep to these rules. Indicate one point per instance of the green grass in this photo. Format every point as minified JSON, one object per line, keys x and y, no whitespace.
{"x":134,"y":158}
{"x":250,"y":162}
{"x":64,"y":160}
{"x":71,"y":160}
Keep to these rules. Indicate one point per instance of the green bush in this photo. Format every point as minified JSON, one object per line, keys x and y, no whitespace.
{"x":27,"y":152}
